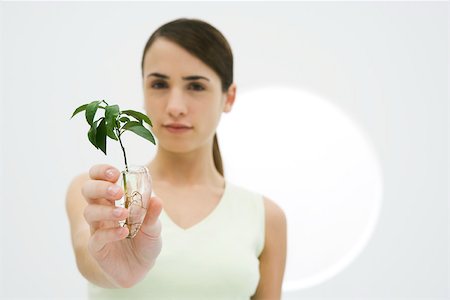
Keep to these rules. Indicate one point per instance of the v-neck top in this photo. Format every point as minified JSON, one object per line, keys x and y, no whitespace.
{"x":165,"y":218}
{"x":216,"y":258}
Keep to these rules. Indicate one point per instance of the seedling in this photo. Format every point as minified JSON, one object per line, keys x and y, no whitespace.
{"x":113,"y":124}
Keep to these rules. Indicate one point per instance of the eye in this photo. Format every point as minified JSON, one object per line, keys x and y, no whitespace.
{"x":196,"y":87}
{"x":158,"y":85}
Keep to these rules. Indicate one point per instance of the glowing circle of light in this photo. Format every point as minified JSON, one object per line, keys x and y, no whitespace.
{"x":317,"y":164}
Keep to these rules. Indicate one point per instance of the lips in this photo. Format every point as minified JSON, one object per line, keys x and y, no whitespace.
{"x":177,"y":127}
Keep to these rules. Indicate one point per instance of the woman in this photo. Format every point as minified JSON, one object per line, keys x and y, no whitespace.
{"x":203,"y":237}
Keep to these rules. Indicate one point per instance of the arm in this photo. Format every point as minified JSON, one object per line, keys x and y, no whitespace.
{"x":272,"y":260}
{"x":80,"y":233}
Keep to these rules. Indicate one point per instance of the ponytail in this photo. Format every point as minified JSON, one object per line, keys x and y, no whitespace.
{"x":216,"y":155}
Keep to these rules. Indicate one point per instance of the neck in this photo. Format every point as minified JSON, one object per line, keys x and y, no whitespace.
{"x":186,"y":169}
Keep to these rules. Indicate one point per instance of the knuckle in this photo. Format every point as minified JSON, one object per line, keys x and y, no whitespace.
{"x":100,"y":189}
{"x":84,"y":189}
{"x":93,"y":171}
{"x":89,"y":214}
{"x":89,"y":190}
{"x":86,"y":213}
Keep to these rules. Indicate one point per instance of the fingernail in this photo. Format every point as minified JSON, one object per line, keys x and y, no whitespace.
{"x":110,"y":173}
{"x":117,"y":211}
{"x":113,"y":190}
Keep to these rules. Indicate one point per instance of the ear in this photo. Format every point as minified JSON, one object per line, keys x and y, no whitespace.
{"x":230,"y":96}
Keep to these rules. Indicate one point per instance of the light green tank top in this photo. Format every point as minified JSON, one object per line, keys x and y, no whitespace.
{"x":215,"y":259}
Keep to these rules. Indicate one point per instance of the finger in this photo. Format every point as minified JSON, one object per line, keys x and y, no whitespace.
{"x":104,"y":172}
{"x":151,"y":225}
{"x":95,"y":213}
{"x":102,"y":237}
{"x":98,"y":189}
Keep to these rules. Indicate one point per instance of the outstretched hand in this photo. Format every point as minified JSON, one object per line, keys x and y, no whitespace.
{"x":124,"y":261}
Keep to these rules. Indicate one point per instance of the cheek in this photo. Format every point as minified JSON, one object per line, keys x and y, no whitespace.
{"x":209,"y":116}
{"x":148,"y":109}
{"x":154,"y":114}
{"x":152,"y":105}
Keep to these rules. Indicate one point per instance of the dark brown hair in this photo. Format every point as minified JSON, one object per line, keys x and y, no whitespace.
{"x":207,"y":44}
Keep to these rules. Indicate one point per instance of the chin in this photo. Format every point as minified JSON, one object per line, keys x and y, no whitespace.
{"x":180,"y":146}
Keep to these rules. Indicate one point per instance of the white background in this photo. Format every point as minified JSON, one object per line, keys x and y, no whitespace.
{"x":384,"y":64}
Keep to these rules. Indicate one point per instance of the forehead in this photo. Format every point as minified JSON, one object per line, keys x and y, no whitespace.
{"x":171,"y":59}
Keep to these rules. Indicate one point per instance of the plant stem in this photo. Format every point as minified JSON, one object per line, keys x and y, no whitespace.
{"x":123,"y":150}
{"x":125,"y":189}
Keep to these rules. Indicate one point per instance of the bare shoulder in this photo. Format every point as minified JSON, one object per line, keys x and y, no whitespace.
{"x":273,"y":257}
{"x":275,"y":216}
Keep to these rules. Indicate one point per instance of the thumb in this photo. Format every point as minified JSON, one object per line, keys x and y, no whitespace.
{"x":151,"y":225}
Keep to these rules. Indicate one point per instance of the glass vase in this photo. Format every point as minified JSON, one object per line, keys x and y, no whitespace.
{"x":137,"y":190}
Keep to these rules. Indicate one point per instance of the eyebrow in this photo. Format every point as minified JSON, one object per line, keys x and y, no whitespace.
{"x":192,"y":77}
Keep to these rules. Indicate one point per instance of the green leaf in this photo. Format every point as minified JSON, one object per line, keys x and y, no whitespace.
{"x":112,"y":111}
{"x":79,"y":109}
{"x":140,"y":130}
{"x":93,"y":133}
{"x":91,"y":109}
{"x":110,"y":132}
{"x":130,"y":124}
{"x":111,"y":114}
{"x":101,"y":135}
{"x":139,"y":116}
{"x":124,"y":119}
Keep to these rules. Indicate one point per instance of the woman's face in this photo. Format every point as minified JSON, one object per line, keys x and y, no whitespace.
{"x":181,"y":91}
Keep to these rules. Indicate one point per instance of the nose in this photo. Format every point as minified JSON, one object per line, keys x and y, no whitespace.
{"x":176,"y":105}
